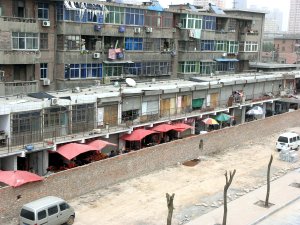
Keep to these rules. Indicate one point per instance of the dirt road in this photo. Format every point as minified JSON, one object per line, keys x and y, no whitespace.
{"x":198,"y":189}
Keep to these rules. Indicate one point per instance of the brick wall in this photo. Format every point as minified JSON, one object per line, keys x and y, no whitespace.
{"x":78,"y":181}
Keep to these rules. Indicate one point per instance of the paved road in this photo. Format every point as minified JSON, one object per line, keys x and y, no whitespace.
{"x":244,"y":210}
{"x":290,"y":215}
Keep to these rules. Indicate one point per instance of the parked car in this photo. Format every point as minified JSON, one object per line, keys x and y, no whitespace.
{"x":288,"y":141}
{"x":48,"y":210}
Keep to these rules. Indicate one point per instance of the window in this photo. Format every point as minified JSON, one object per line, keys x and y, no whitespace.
{"x":72,"y":42}
{"x":83,"y":118}
{"x":19,"y":8}
{"x":63,"y":206}
{"x":115,"y":15}
{"x":207,"y":45}
{"x":194,"y":45}
{"x":27,"y":214}
{"x":42,"y":214}
{"x":133,"y":68}
{"x":83,"y":70}
{"x":156,"y":68}
{"x":43,"y":41}
{"x":250,"y":46}
{"x":134,"y":16}
{"x":189,"y":67}
{"x":209,"y":22}
{"x":232,"y":25}
{"x":152,"y":44}
{"x":43,"y":70}
{"x":52,"y":210}
{"x":134,"y":44}
{"x":221,"y":46}
{"x":43,"y":11}
{"x":233,"y":47}
{"x":226,"y":66}
{"x":191,"y":21}
{"x":113,"y":70}
{"x":26,"y":122}
{"x":153,"y":19}
{"x":25,"y":41}
{"x":167,"y":19}
{"x":55,"y":117}
{"x":207,"y":67}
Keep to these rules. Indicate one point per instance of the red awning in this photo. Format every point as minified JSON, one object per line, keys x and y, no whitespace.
{"x":100,"y":144}
{"x":180,"y":127}
{"x":71,"y":150}
{"x":137,"y":135}
{"x":18,"y":177}
{"x":163,"y":128}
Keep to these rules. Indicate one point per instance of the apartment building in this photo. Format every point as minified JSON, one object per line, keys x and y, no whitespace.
{"x":55,"y":44}
{"x":288,"y":48}
{"x":33,"y":126}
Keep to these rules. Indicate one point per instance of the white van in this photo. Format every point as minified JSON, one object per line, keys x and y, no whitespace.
{"x":49,"y":210}
{"x":288,"y":141}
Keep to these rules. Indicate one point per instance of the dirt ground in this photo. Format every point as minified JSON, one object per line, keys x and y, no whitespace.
{"x":198,"y":189}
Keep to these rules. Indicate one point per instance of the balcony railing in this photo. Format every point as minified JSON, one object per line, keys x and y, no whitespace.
{"x":18,"y":19}
{"x":42,"y":139}
{"x":18,"y":87}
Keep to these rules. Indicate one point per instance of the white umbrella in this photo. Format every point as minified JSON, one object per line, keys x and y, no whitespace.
{"x":256,"y":110}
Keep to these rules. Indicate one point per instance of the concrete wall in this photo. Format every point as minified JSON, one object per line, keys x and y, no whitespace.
{"x":81,"y":180}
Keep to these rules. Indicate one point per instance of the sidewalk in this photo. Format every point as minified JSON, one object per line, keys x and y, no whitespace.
{"x":243,"y":211}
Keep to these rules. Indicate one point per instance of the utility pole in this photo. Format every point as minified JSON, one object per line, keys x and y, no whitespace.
{"x":234,"y":3}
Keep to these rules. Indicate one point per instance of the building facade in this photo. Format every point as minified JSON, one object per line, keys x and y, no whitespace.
{"x":287,"y":48}
{"x":294,"y":17}
{"x":48,"y":45}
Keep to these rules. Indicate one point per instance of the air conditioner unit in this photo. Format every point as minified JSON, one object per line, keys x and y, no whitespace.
{"x":149,"y":29}
{"x":96,"y":55}
{"x":46,"y":82}
{"x":137,"y":30}
{"x":54,"y":101}
{"x":46,"y":23}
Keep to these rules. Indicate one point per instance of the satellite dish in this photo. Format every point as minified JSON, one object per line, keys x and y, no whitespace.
{"x":130,"y":82}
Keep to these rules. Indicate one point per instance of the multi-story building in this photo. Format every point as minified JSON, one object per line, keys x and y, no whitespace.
{"x":294,"y":17}
{"x":287,"y":48}
{"x":32,"y":125}
{"x":55,"y":44}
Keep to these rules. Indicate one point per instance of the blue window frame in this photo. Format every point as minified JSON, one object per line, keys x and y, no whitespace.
{"x":209,"y":23}
{"x":83,"y":71}
{"x":83,"y":12}
{"x":134,"y":16}
{"x":43,"y":70}
{"x":133,"y":68}
{"x":207,"y":45}
{"x":43,"y":11}
{"x":134,"y":44}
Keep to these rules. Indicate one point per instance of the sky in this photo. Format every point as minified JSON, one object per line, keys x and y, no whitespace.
{"x":283,"y":5}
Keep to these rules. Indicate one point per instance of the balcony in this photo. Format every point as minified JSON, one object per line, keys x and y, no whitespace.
{"x":20,"y":24}
{"x":19,"y":57}
{"x":18,"y":87}
{"x":251,"y":56}
{"x":250,"y":36}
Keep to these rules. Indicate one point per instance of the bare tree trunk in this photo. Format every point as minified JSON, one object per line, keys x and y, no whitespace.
{"x":226,"y":187}
{"x":268,"y":182}
{"x":170,"y":205}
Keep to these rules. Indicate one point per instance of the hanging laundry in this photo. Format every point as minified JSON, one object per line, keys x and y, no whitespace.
{"x":66,"y":3}
{"x":73,"y":5}
{"x":112,"y":54}
{"x":197,"y":34}
{"x":191,"y":33}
